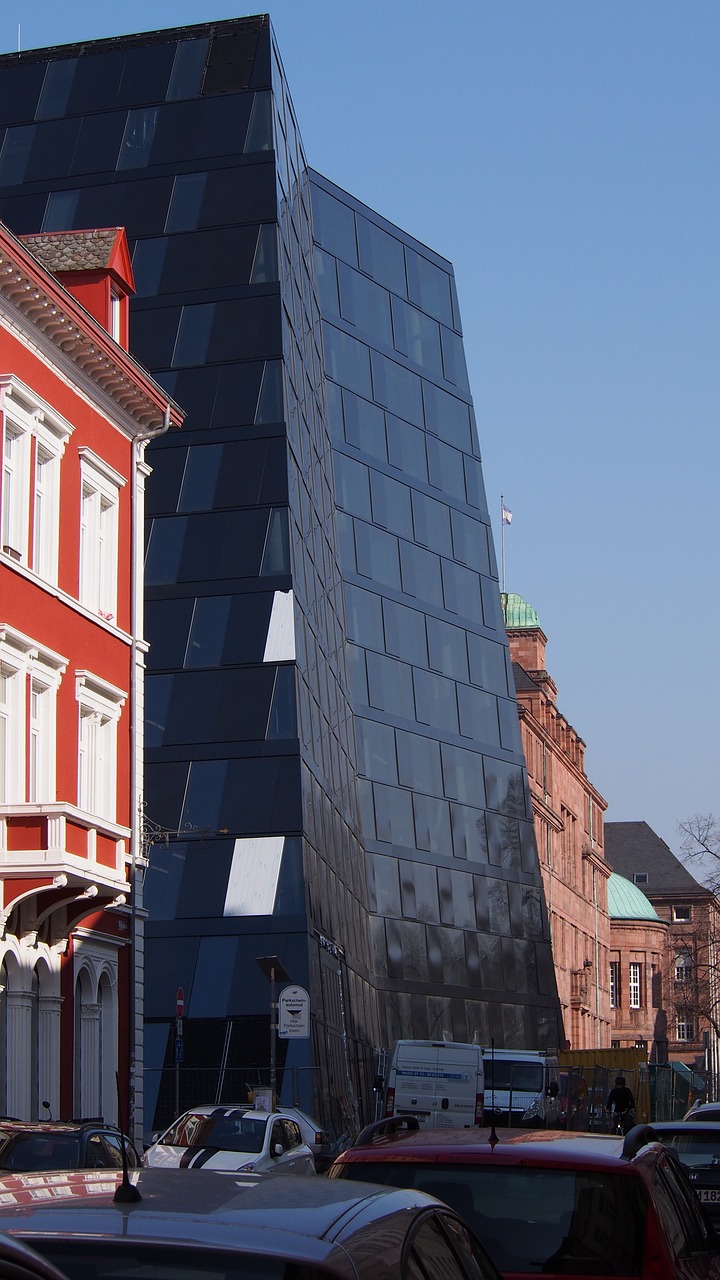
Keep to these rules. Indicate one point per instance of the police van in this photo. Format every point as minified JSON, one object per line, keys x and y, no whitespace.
{"x":440,"y":1082}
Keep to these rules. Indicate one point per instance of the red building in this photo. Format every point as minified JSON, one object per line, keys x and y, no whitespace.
{"x":75,"y":412}
{"x":569,"y":820}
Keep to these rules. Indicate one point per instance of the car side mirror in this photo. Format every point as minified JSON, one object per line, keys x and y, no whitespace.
{"x":277,"y":1149}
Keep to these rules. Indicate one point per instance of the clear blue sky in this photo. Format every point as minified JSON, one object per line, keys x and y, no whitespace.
{"x":564,"y":155}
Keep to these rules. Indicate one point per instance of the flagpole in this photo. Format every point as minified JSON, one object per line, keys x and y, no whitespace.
{"x":502,"y":539}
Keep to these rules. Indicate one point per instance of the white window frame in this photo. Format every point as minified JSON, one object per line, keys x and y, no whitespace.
{"x":99,"y":708}
{"x":635,"y":985}
{"x":682,"y":914}
{"x":683,"y":966}
{"x":34,"y":437}
{"x":28,"y":665}
{"x":613,"y":984}
{"x":99,"y":515}
{"x":684,"y":1027}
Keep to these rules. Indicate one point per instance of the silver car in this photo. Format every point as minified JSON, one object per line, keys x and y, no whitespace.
{"x":217,"y":1137}
{"x":199,"y":1225}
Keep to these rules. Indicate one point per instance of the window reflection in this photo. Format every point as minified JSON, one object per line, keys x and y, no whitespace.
{"x":56,"y":89}
{"x":186,"y":202}
{"x":208,"y":630}
{"x":138,"y":138}
{"x":187,"y":69}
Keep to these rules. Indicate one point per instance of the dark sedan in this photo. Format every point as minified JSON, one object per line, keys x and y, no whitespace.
{"x":697,"y":1146}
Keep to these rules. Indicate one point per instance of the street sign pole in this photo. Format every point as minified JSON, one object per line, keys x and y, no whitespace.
{"x":275,"y":971}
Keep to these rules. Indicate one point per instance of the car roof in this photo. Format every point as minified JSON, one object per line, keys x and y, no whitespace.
{"x":54,"y":1126}
{"x":183,"y":1203}
{"x":540,"y":1147}
{"x":226,"y":1108}
{"x":688,"y":1126}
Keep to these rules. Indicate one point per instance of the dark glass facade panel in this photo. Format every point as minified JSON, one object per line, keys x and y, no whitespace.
{"x":406,"y":448}
{"x":377,"y":756}
{"x":404,"y":632}
{"x":187,"y":69}
{"x":421,"y":574}
{"x":365,"y":617}
{"x":377,"y":555}
{"x":334,"y":227}
{"x":417,"y":336}
{"x":20,"y":88}
{"x":138,"y":138}
{"x":447,"y":649}
{"x":245,"y":795}
{"x":167,"y":623}
{"x":391,"y":505}
{"x":429,"y":286}
{"x":200,"y":129}
{"x":390,"y":686}
{"x":381,"y":255}
{"x":216,"y":545}
{"x":208,"y":630}
{"x":436,"y":701}
{"x":419,"y":766}
{"x":397,"y":388}
{"x":347,"y":360}
{"x":479,"y":715}
{"x":365,"y":305}
{"x":364,"y":425}
{"x":447,"y":417}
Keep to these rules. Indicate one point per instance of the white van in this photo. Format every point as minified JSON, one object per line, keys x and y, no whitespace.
{"x":513,"y":1080}
{"x":440,"y":1082}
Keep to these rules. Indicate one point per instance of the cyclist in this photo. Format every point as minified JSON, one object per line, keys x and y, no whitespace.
{"x":622,"y":1103}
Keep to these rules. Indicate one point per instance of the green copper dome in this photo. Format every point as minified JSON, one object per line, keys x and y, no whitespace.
{"x":518,"y":613}
{"x":627,"y":902}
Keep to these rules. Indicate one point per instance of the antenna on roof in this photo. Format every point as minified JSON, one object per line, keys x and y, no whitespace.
{"x":126,"y":1192}
{"x":18,"y":37}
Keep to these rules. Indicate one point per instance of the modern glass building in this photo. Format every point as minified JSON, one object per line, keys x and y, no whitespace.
{"x":334,"y":773}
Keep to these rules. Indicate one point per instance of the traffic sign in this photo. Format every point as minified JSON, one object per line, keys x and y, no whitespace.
{"x":180,"y":1009}
{"x":294,"y":1014}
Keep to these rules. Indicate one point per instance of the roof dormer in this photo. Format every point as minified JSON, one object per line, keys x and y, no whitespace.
{"x":94,"y":266}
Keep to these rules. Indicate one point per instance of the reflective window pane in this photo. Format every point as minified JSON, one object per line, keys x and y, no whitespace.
{"x":381,"y":255}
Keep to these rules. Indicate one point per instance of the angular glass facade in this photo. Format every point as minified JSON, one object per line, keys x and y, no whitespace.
{"x":334,"y":774}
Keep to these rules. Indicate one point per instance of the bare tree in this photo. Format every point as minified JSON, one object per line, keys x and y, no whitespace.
{"x":700,"y":844}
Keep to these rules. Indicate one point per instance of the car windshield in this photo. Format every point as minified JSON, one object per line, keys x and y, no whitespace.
{"x":25,"y":1152}
{"x":534,"y":1221}
{"x":503,"y":1074}
{"x":119,"y":1260}
{"x":696,"y":1150}
{"x":233,"y":1132}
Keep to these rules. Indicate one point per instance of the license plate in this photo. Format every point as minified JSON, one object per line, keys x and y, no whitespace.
{"x":709,"y":1197}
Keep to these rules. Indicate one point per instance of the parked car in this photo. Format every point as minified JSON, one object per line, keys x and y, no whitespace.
{"x":233,"y":1138}
{"x":312,"y":1133}
{"x":199,"y":1223}
{"x":554,"y":1202}
{"x":697,"y":1145}
{"x":703,"y":1111}
{"x":18,"y":1262}
{"x":55,"y":1144}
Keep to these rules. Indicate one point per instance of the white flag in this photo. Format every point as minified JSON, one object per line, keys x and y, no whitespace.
{"x":506,"y":515}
